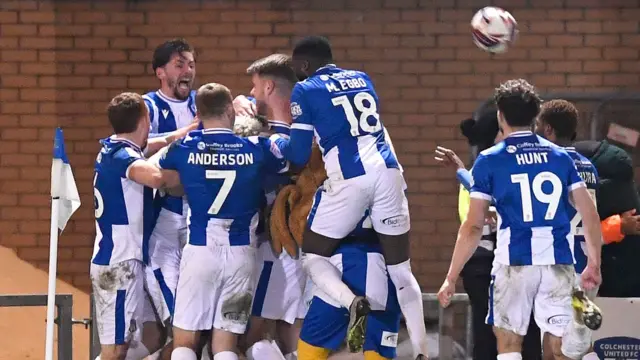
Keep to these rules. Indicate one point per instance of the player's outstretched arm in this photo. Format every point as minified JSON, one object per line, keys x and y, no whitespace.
{"x":154,"y":144}
{"x":296,"y":148}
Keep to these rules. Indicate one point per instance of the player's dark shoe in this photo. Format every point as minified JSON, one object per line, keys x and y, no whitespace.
{"x":358,"y":312}
{"x":587,"y":312}
{"x":422,"y":357}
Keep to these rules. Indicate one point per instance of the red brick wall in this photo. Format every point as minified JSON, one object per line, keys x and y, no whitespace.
{"x":61,"y":63}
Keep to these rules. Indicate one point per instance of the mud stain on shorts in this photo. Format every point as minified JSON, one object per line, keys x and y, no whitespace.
{"x":237,"y":308}
{"x":113,"y":277}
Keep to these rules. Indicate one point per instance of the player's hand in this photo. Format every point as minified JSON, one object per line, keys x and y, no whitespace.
{"x":630,"y":223}
{"x":244,"y":106}
{"x":447,"y":290}
{"x":448,"y":157}
{"x":591,"y":277}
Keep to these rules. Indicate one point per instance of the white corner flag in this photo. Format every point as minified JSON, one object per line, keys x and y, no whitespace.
{"x":64,"y":202}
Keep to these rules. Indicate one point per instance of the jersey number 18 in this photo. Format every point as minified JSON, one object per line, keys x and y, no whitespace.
{"x":366,"y":111}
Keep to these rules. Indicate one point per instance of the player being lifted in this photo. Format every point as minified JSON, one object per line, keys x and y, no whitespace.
{"x":557,"y":122}
{"x":341,"y":107}
{"x":532,"y":182}
{"x":283,"y":280}
{"x":123,"y":186}
{"x":222,"y":178}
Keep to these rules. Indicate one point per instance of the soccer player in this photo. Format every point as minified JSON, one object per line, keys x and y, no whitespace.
{"x":123,"y":186}
{"x":363,"y":269}
{"x":341,"y":108}
{"x":282,"y":280}
{"x":221,"y":174}
{"x":533,"y":183}
{"x":557,"y":122}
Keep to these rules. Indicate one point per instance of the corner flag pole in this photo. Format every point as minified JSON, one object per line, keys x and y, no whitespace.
{"x":65,"y":200}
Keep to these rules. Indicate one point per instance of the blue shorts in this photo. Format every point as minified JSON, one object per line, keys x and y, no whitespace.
{"x":364,"y":271}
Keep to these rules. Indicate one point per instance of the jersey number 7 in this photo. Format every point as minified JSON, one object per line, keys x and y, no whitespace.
{"x":366,"y":111}
{"x":229,"y":177}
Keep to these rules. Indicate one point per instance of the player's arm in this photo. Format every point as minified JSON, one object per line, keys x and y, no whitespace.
{"x":586,"y":207}
{"x":275,"y":163}
{"x":470,"y":231}
{"x":134,"y":167}
{"x":154,"y":144}
{"x":297,"y":147}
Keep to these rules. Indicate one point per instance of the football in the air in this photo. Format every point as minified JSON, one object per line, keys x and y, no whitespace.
{"x":493,"y":29}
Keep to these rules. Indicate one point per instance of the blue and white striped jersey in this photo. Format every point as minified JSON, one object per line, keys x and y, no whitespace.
{"x":529,"y":178}
{"x":340,"y":107}
{"x":168,"y":115}
{"x":589,"y":175}
{"x":123,"y":208}
{"x":222,"y":175}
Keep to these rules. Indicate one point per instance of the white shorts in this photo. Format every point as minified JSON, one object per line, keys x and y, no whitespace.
{"x":280,"y":287}
{"x":215,"y":288}
{"x":545,"y":289}
{"x":339,"y":204}
{"x":165,"y":249}
{"x":120,"y":300}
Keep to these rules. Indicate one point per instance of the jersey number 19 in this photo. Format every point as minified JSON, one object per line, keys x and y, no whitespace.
{"x":527,"y":189}
{"x":366,"y":111}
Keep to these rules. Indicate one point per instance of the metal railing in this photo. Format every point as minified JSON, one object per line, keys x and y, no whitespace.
{"x":64,"y":320}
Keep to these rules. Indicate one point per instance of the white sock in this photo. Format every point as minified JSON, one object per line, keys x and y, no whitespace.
{"x":327,"y":278}
{"x":225,"y":355}
{"x":575,"y":340}
{"x":98,"y":358}
{"x":410,"y":299}
{"x":591,"y":356}
{"x":291,"y":356}
{"x":264,"y":349}
{"x":510,"y":356}
{"x":183,"y":353}
{"x":137,"y":352}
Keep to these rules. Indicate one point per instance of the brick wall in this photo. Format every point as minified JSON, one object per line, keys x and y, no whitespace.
{"x":60,"y":63}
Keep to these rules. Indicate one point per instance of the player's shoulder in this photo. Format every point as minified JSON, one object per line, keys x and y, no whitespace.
{"x":496,"y":149}
{"x":114,"y":150}
{"x":579,"y":159}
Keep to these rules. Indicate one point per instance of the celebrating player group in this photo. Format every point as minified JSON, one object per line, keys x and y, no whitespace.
{"x":183,"y":268}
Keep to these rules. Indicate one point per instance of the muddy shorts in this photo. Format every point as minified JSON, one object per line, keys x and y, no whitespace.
{"x":215,"y":288}
{"x":120,"y":300}
{"x":517,"y":290}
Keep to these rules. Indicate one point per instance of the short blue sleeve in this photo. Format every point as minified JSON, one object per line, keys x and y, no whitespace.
{"x":574,"y":180}
{"x":169,"y":160}
{"x":482,"y":182}
{"x":300,"y":111}
{"x":123,"y":158}
{"x":274,"y":162}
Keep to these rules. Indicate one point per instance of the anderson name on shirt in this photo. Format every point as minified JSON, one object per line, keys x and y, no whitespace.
{"x":220,"y":159}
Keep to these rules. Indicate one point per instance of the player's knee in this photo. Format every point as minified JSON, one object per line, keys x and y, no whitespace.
{"x":395,"y":248}
{"x":318,"y":244}
{"x":309,"y":352}
{"x":372,"y":355}
{"x":113,"y":352}
{"x":402,"y":277}
{"x":183,"y":353}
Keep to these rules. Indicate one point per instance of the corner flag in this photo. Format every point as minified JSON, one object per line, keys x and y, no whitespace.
{"x":63,"y":185}
{"x":64,"y":202}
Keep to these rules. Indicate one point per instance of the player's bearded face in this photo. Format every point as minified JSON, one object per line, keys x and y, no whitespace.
{"x":179,"y":75}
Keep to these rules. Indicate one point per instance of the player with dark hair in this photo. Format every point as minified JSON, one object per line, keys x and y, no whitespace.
{"x":557,"y":122}
{"x":340,"y":107}
{"x":222,"y":177}
{"x":535,"y":185}
{"x":123,"y":192}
